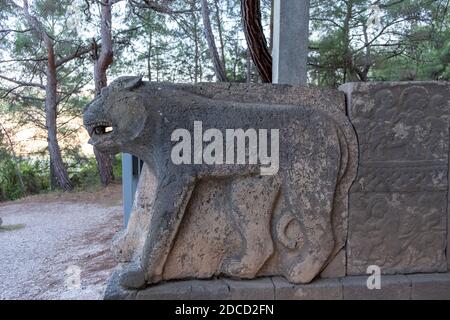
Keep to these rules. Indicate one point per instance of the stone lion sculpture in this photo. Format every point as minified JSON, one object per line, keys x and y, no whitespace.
{"x":198,"y":220}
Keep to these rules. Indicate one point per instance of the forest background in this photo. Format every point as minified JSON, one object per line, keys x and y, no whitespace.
{"x":55,"y":56}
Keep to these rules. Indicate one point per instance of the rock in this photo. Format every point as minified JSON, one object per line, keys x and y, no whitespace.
{"x":1,"y":221}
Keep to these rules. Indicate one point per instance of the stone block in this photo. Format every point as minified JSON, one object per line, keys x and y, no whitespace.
{"x":319,"y":289}
{"x":398,"y":202}
{"x":177,"y":290}
{"x":430,"y":286}
{"x":336,"y":268}
{"x":209,"y":290}
{"x":257,"y":289}
{"x":396,"y":287}
{"x":186,"y":290}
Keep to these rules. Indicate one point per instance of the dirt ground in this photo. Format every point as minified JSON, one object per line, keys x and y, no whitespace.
{"x":47,"y":240}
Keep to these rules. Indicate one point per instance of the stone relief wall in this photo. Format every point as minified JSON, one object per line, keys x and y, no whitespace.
{"x":398,"y":209}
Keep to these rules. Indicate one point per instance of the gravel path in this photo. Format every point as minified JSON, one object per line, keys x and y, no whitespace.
{"x":58,"y":238}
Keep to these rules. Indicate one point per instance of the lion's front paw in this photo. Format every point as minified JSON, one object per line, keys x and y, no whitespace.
{"x":300,"y":273}
{"x":132,"y":276}
{"x":239,"y":269}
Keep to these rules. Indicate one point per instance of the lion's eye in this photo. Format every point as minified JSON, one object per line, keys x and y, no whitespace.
{"x":99,"y":130}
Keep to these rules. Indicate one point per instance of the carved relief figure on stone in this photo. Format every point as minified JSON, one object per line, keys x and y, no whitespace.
{"x":202,"y":220}
{"x":234,"y":146}
{"x":398,"y":209}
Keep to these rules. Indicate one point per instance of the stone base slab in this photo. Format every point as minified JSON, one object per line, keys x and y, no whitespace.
{"x":393,"y":287}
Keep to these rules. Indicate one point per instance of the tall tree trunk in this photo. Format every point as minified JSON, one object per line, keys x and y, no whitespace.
{"x":157,"y":65}
{"x":346,"y":43}
{"x":249,"y":67}
{"x":149,"y":56}
{"x":236,"y":60}
{"x":218,"y":68}
{"x":256,"y":41}
{"x":271,"y":26}
{"x":101,"y":64}
{"x":219,"y":28}
{"x":197,"y":58}
{"x":363,"y":75}
{"x":59,"y":170}
{"x":197,"y":47}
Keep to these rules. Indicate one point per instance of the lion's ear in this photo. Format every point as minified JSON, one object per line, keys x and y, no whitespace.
{"x":132,"y":83}
{"x":103,"y":91}
{"x":126,"y":83}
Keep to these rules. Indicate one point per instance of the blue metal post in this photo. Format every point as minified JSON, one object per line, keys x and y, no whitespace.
{"x":130,"y":178}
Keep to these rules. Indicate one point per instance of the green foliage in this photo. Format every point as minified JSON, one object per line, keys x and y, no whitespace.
{"x":411,"y":41}
{"x":84,"y":173}
{"x":117,"y":167}
{"x":36,"y":177}
{"x":33,"y":172}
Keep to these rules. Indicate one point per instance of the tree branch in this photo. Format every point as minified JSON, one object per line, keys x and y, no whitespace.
{"x":23,"y":83}
{"x":23,"y":60}
{"x":158,"y":7}
{"x":80,"y":51}
{"x":14,"y":30}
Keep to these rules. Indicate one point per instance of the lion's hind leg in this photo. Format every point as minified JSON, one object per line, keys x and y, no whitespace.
{"x":252,"y":203}
{"x":310,"y":190}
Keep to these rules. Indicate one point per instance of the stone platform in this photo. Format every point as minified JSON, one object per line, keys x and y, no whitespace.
{"x":423,"y":286}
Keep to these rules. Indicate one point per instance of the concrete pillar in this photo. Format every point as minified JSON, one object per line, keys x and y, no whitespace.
{"x":130,"y":178}
{"x":290,"y":41}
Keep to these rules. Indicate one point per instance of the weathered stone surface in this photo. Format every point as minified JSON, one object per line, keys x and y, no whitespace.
{"x":209,"y":220}
{"x":336,"y":268}
{"x":256,"y":289}
{"x":330,"y":101}
{"x":209,"y":290}
{"x":398,"y":203}
{"x":178,"y":290}
{"x":319,"y":289}
{"x":396,"y":287}
{"x":127,"y":245}
{"x":1,"y":221}
{"x":430,"y":286}
{"x":190,"y":289}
